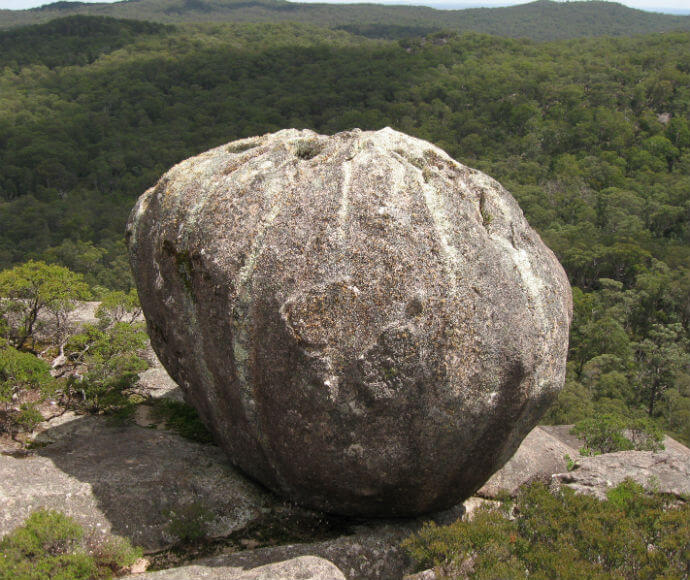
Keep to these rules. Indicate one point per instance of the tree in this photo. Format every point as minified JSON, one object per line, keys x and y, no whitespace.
{"x":661,"y":358}
{"x":108,"y":362}
{"x":32,"y":288}
{"x":117,"y":306}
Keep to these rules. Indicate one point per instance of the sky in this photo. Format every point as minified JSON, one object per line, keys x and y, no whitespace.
{"x":676,"y":6}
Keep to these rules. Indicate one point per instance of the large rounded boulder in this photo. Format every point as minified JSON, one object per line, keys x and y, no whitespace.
{"x":367,"y":326}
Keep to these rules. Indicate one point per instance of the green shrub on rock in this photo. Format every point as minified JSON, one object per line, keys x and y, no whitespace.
{"x":22,"y":373}
{"x":51,"y":546}
{"x":21,"y":370}
{"x":609,"y":433}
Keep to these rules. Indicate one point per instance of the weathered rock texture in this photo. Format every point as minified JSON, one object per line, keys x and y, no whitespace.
{"x":367,"y":326}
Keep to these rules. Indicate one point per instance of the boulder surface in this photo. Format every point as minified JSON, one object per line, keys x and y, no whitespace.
{"x":366,"y":325}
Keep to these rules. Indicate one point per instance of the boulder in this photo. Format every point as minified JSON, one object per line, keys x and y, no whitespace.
{"x":367,"y":326}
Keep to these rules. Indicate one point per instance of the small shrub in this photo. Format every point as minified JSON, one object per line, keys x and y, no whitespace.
{"x":29,"y":417}
{"x":45,"y":531}
{"x":51,"y":546}
{"x":602,"y":434}
{"x":113,"y":554}
{"x":453,"y":549}
{"x":609,"y":433}
{"x":645,"y":434}
{"x":569,"y":462}
{"x":21,"y":371}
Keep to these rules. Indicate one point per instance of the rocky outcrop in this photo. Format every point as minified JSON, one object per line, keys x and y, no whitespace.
{"x":373,"y":552}
{"x":135,"y":482}
{"x":665,"y":471}
{"x":126,"y":480}
{"x":302,"y":568}
{"x":539,"y":456}
{"x":367,"y":326}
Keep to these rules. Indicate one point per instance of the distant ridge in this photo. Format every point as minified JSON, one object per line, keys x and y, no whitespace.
{"x":62,"y":6}
{"x":540,"y":20}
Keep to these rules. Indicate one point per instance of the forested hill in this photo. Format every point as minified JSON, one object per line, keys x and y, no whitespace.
{"x":591,"y":135}
{"x":540,"y":20}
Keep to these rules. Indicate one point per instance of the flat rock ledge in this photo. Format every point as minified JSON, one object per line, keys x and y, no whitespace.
{"x":131,"y":480}
{"x":126,"y":480}
{"x":371,"y":553}
{"x":301,"y":568}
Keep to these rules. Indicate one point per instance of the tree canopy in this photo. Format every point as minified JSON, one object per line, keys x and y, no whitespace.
{"x":591,"y":135}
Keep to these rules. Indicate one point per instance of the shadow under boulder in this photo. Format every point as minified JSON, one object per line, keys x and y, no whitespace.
{"x":127,"y":480}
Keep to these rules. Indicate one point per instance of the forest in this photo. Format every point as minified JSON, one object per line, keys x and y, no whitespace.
{"x":538,"y":20}
{"x":592,"y":136}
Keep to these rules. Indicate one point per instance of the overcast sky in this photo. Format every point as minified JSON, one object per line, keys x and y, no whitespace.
{"x":656,"y":5}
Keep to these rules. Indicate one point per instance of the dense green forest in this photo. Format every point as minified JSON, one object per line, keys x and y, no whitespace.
{"x":539,"y":20}
{"x":592,"y":137}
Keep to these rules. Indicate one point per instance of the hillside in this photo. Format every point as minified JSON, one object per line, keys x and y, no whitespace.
{"x":540,"y":20}
{"x":591,"y":135}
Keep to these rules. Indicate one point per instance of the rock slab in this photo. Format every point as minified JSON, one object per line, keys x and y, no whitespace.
{"x":126,"y":480}
{"x":539,"y":456}
{"x":666,"y":471}
{"x":371,"y":553}
{"x":302,"y":568}
{"x":366,"y":325}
